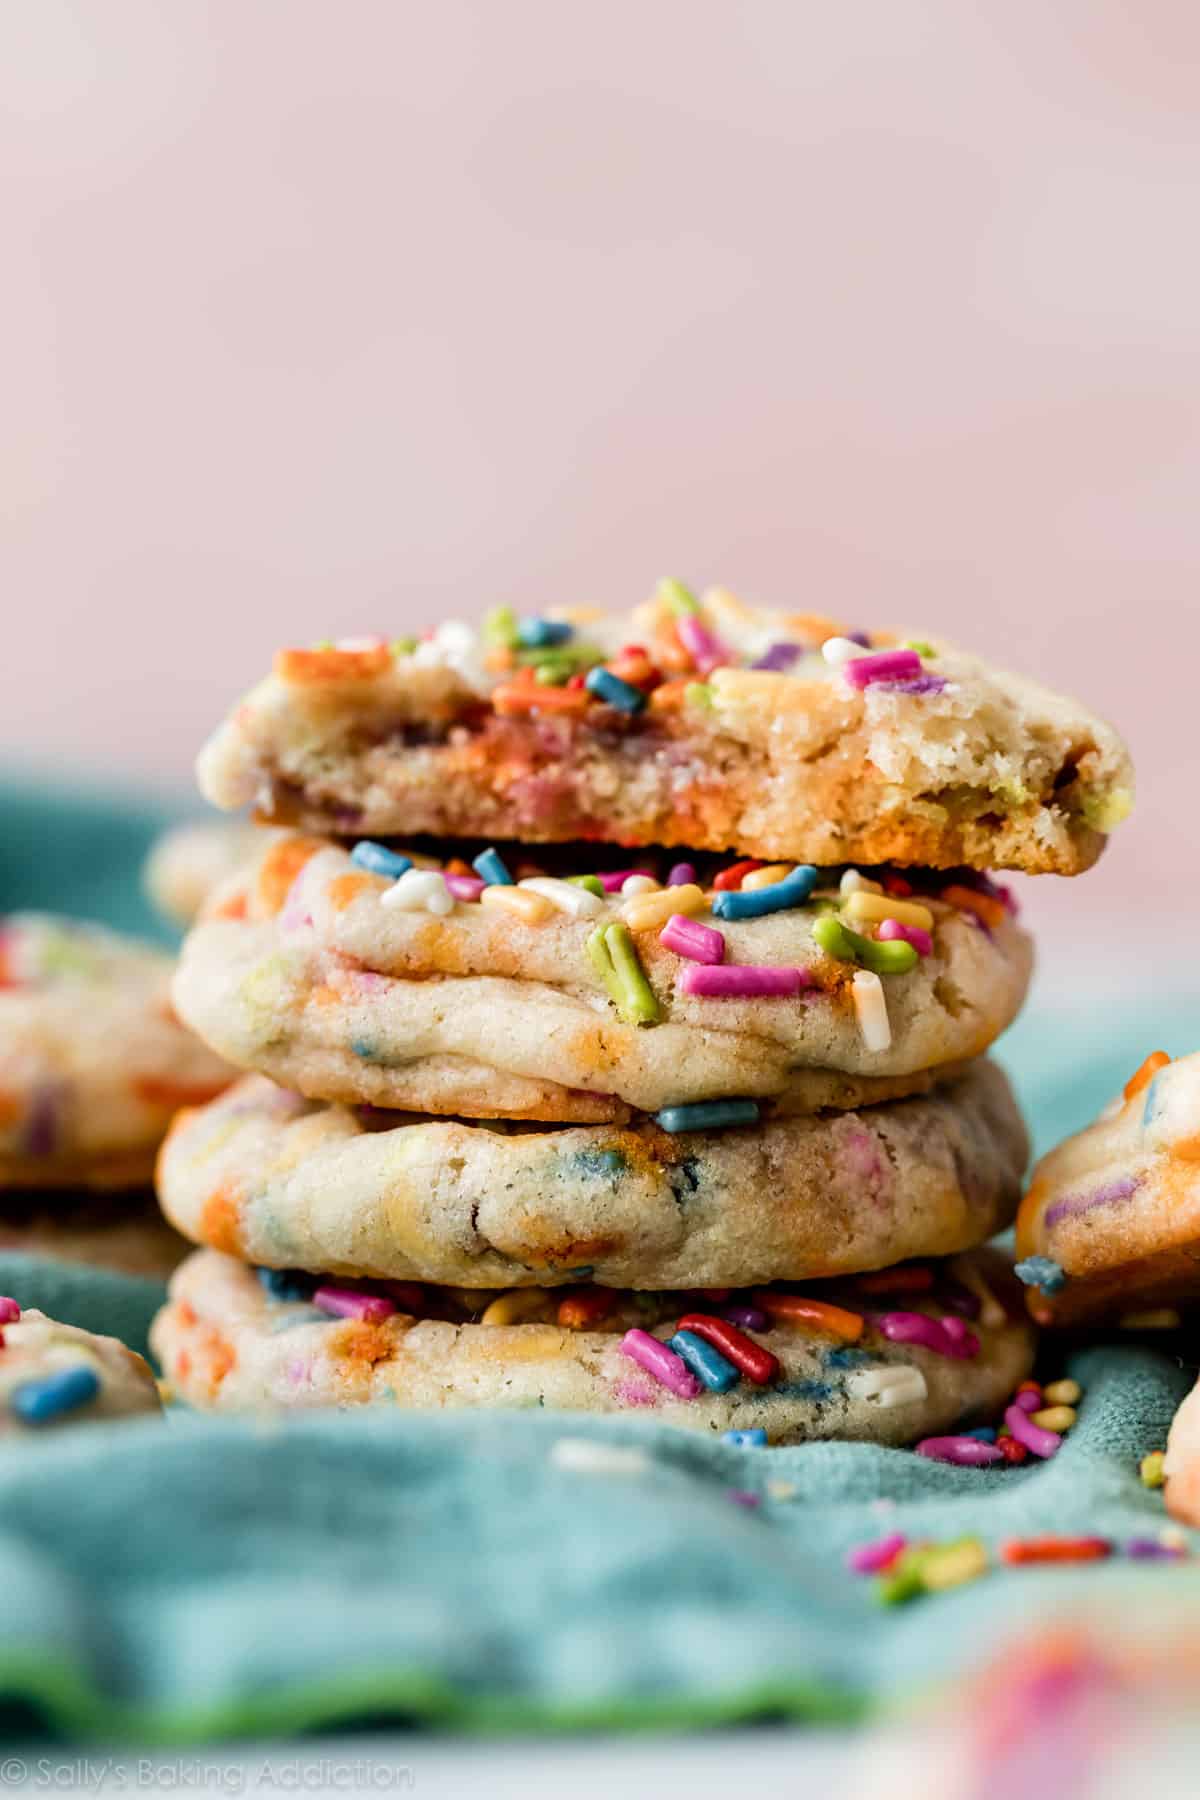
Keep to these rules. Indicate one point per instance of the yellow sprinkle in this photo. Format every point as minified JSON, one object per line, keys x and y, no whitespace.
{"x":759,"y":878}
{"x":517,"y":1306}
{"x":1055,"y":1418}
{"x":1159,"y":1318}
{"x":1151,"y":1469}
{"x":870,"y":1005}
{"x":166,"y":1392}
{"x":871,"y":908}
{"x":951,"y":1565}
{"x":646,"y":912}
{"x":534,"y":909}
{"x":782,"y":1490}
{"x":854,"y":883}
{"x":1063,"y":1393}
{"x":533,"y":1343}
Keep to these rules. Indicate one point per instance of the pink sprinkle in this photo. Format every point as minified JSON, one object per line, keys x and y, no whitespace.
{"x":920,"y":940}
{"x":918,"y":1328}
{"x":681,"y":875}
{"x":703,"y":646}
{"x":892,"y":665}
{"x":740,"y":980}
{"x":463,"y":887}
{"x":744,"y":1497}
{"x":294,"y":912}
{"x":1042,"y":1443}
{"x":968,"y":1451}
{"x":346,"y":1303}
{"x":687,"y":937}
{"x":1029,"y":1402}
{"x":873,"y":1559}
{"x":669,"y":1370}
{"x":10,"y":1312}
{"x":613,"y":882}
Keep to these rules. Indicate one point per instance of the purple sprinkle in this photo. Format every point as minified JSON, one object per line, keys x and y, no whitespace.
{"x":743,"y":1497}
{"x":750,"y":1318}
{"x":918,"y":1328}
{"x":1074,"y":1204}
{"x":859,"y":637}
{"x":615,"y":880}
{"x":1029,"y":1402}
{"x":1150,"y":1550}
{"x":779,"y":657}
{"x":464,"y":887}
{"x":681,"y":875}
{"x":919,"y":684}
{"x":869,"y":1559}
{"x":1042,"y":1443}
{"x":969,"y":1452}
{"x":42,"y":1120}
{"x":347,"y":1303}
{"x":888,"y":665}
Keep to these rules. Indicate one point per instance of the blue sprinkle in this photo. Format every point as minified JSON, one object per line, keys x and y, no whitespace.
{"x":491,"y":867}
{"x":1153,"y":1096}
{"x":362,"y":1049}
{"x":793,"y":890}
{"x":754,"y":1438}
{"x":599,"y":1163}
{"x":286,"y":1284}
{"x":621,"y":694}
{"x":984,"y":1433}
{"x":535,"y":634}
{"x":707,"y":1115}
{"x":38,"y":1402}
{"x":846,"y":1358}
{"x":714,"y":1370}
{"x":1042,"y":1272}
{"x":379,"y":859}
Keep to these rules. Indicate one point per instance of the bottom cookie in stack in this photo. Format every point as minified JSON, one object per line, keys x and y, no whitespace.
{"x":355,"y":1256}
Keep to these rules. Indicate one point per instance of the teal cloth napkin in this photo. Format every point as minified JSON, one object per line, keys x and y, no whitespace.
{"x":200,"y":1577}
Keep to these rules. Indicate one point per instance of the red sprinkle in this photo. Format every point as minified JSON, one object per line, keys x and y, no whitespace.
{"x":732,"y":877}
{"x":1011,"y":1450}
{"x":1055,"y":1549}
{"x":10,"y":1312}
{"x":901,"y":1280}
{"x":750,"y":1359}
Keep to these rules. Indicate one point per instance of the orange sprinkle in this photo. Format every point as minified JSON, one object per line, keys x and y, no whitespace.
{"x":456,"y":866}
{"x":232,"y":908}
{"x":797,"y":1309}
{"x":280,"y":867}
{"x":221,"y":1221}
{"x":345,"y":889}
{"x":733,"y":876}
{"x":1157,"y":1059}
{"x":669,"y":696}
{"x":901,"y":1280}
{"x":523,"y":697}
{"x":157,"y":1090}
{"x":984,"y":907}
{"x":1054,"y":1549}
{"x":303,"y":667}
{"x":586,"y":1307}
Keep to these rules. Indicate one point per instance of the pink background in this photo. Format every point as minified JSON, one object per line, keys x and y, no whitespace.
{"x":324,"y":318}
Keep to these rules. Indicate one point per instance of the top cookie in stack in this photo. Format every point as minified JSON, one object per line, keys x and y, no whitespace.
{"x":709,"y":724}
{"x":753,"y":1058}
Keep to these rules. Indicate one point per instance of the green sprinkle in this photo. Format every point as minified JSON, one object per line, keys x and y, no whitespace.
{"x":323,"y":644}
{"x":1151,"y":1469}
{"x":612,"y":954}
{"x":921,"y":648}
{"x":500,"y":627}
{"x":403,"y":646}
{"x":698,"y":693}
{"x":838,"y":941}
{"x":570,"y":656}
{"x":552,"y":674}
{"x":678,"y":597}
{"x":592,"y":883}
{"x":904,"y":1580}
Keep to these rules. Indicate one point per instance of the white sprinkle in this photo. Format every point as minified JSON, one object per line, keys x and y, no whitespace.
{"x":359,"y":643}
{"x":639,"y":884}
{"x":839,"y":650}
{"x":580,"y":902}
{"x":871,"y":1007}
{"x":588,"y":1458}
{"x":782,"y":1490}
{"x":890,"y":1387}
{"x":1171,"y":1537}
{"x":854,"y":883}
{"x":418,"y":890}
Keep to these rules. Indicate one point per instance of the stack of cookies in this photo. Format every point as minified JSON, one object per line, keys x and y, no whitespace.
{"x":616,"y":996}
